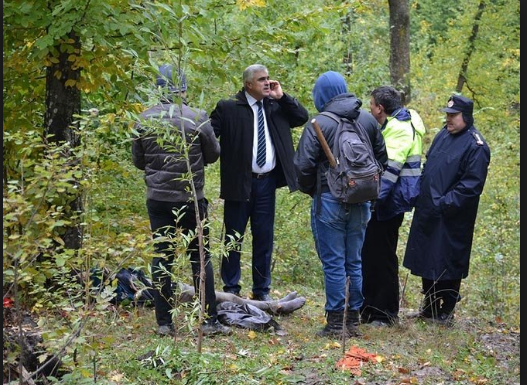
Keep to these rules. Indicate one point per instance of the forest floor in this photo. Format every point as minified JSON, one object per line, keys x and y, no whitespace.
{"x":472,"y":351}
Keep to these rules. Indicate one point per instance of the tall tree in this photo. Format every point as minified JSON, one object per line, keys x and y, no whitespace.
{"x":63,"y":102}
{"x":400,"y":45}
{"x":461,"y":80}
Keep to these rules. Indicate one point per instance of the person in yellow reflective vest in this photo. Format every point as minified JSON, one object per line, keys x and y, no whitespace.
{"x":402,"y":130}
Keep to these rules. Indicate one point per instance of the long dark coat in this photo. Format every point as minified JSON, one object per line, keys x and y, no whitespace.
{"x":441,"y":234}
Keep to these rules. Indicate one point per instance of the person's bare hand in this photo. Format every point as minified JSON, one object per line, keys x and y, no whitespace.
{"x":276,"y":89}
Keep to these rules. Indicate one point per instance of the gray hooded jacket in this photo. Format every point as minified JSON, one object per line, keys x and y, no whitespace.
{"x":156,"y":150}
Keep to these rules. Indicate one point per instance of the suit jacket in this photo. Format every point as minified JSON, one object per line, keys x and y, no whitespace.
{"x":233,"y":122}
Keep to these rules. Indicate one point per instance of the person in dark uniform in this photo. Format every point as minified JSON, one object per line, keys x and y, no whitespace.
{"x":442,"y":229}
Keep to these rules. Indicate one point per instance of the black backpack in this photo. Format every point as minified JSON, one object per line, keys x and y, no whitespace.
{"x":357,"y":175}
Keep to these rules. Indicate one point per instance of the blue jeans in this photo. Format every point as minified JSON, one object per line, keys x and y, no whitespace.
{"x":338,"y":231}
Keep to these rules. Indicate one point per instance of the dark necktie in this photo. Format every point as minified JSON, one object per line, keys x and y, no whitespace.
{"x":260,"y":153}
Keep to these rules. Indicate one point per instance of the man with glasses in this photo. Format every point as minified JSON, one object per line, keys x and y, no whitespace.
{"x":254,"y":129}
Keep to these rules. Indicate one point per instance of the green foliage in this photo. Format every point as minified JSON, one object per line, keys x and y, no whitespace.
{"x":213,"y":41}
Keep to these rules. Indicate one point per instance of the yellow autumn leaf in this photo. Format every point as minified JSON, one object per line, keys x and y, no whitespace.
{"x":332,"y":345}
{"x":244,"y":4}
{"x":252,"y":335}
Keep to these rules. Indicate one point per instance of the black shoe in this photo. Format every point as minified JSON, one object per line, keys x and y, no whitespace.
{"x":444,"y":319}
{"x":166,"y":330}
{"x":262,"y":297}
{"x":232,"y":291}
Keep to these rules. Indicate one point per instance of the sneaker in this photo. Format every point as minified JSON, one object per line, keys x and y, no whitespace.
{"x":215,"y":327}
{"x":166,"y":330}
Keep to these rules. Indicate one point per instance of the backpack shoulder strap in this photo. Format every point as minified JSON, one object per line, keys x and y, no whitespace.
{"x":331,"y":115}
{"x":340,"y":121}
{"x":364,"y":133}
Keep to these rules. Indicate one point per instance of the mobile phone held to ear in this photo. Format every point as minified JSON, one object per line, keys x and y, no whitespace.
{"x":272,"y":85}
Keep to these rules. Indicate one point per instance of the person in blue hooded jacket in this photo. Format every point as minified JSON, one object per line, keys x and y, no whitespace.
{"x":402,"y":131}
{"x":440,"y":239}
{"x":338,"y":229}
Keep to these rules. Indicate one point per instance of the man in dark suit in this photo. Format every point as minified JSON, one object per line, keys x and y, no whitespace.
{"x":256,"y":159}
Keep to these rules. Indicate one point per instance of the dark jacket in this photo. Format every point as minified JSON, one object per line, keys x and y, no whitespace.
{"x":163,"y":161}
{"x":233,"y":122}
{"x":440,"y":239}
{"x":310,"y":155}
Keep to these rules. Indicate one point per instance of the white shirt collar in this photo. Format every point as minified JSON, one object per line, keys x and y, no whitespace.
{"x":252,"y":101}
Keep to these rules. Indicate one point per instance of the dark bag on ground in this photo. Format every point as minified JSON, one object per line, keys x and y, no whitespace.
{"x":357,"y":176}
{"x":130,"y":286}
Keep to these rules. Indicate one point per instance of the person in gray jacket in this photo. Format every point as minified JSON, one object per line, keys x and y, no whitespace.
{"x":159,"y":151}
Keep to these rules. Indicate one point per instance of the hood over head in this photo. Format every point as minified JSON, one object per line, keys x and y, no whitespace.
{"x":165,"y":79}
{"x":327,"y":86}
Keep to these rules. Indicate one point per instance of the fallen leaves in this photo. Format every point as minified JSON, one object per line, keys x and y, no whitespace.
{"x":355,"y":358}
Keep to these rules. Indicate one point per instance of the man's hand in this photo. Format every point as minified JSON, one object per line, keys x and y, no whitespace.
{"x":276,"y":89}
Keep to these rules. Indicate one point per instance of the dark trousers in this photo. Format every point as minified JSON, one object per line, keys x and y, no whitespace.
{"x":441,"y":297}
{"x":380,"y":270}
{"x":260,"y":209}
{"x":165,"y":218}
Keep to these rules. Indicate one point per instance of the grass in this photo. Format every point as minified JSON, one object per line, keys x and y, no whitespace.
{"x":474,"y":351}
{"x":121,"y":346}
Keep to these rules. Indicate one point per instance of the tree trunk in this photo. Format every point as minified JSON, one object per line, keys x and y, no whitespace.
{"x":63,"y":101}
{"x":347,"y":59}
{"x":462,"y":78}
{"x":400,"y":46}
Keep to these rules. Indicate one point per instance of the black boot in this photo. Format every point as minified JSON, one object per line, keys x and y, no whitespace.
{"x":431,"y":304}
{"x":334,"y":324}
{"x":352,"y":322}
{"x":352,"y":317}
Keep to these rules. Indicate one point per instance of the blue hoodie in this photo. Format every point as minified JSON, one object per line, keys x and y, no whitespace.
{"x":327,"y":86}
